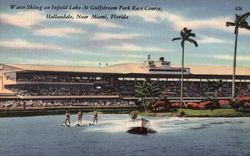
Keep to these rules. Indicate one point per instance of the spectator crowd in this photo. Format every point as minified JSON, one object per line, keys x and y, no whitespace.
{"x":64,"y":102}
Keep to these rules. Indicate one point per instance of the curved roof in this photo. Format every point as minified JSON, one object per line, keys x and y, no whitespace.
{"x":127,"y":68}
{"x":218,"y":70}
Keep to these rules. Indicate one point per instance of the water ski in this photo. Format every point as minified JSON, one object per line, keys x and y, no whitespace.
{"x":63,"y":125}
{"x":78,"y":125}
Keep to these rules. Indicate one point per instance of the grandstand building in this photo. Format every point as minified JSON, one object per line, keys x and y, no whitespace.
{"x":43,"y":82}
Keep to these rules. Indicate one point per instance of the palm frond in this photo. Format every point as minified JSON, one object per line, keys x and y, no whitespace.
{"x":246,"y":27}
{"x":245,"y":16}
{"x":192,"y":41}
{"x":191,"y":35}
{"x":188,"y":31}
{"x":138,"y":93}
{"x":230,"y":24}
{"x":176,"y":38}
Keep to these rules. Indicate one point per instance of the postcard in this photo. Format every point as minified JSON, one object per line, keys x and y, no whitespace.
{"x":134,"y":77}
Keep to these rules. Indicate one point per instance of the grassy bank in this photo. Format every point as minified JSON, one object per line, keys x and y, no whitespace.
{"x":214,"y":113}
{"x":167,"y":114}
{"x":187,"y":112}
{"x":200,"y":113}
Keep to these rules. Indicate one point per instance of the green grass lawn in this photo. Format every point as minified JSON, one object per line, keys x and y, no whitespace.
{"x":201,"y":113}
{"x":214,"y":113}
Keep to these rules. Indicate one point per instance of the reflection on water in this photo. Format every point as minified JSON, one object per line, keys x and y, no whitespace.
{"x":43,"y":135}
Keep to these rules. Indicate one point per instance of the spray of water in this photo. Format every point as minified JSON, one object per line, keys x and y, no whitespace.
{"x":159,"y":124}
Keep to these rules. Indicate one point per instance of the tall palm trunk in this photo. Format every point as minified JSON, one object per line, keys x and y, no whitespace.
{"x":234,"y":63}
{"x":240,"y":22}
{"x":185,"y":35}
{"x":182,"y":74}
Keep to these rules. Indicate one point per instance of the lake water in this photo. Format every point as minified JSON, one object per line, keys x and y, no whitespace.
{"x":43,"y":136}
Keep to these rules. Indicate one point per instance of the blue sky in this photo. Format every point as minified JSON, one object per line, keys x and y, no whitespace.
{"x":26,"y":37}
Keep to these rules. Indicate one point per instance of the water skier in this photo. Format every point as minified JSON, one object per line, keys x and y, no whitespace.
{"x":79,"y":118}
{"x":67,"y":119}
{"x":133,"y":115}
{"x":95,"y":117}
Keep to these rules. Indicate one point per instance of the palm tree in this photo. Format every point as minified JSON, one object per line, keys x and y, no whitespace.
{"x":147,"y":90}
{"x":141,"y":91}
{"x":184,"y":36}
{"x":240,"y":22}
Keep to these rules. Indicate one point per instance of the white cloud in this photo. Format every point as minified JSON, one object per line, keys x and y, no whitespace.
{"x":37,"y":61}
{"x":110,"y":36}
{"x":125,"y":47}
{"x":58,"y":32}
{"x":128,"y":59}
{"x":94,"y":63}
{"x":155,"y":49}
{"x":53,"y":61}
{"x":208,"y":40}
{"x":133,"y":56}
{"x":79,"y":51}
{"x":178,"y":21}
{"x":230,"y":57}
{"x":23,"y":44}
{"x":99,"y":23}
{"x":27,"y":19}
{"x":214,"y":23}
{"x":132,"y":47}
{"x":23,"y":19}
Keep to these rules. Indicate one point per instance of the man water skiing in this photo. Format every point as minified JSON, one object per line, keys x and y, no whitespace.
{"x":67,"y":119}
{"x":79,"y":118}
{"x":95,"y":117}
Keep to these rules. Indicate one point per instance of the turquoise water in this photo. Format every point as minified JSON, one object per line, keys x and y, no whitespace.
{"x":43,"y":136}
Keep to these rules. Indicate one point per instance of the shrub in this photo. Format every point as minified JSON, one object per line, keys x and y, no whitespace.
{"x":209,"y":104}
{"x":175,"y":105}
{"x":160,"y":106}
{"x":242,"y":103}
{"x":243,"y":99}
{"x":225,"y":104}
{"x":193,"y":105}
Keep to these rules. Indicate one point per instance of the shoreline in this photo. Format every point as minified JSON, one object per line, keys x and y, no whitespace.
{"x":199,"y":113}
{"x":37,"y":111}
{"x":20,"y":112}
